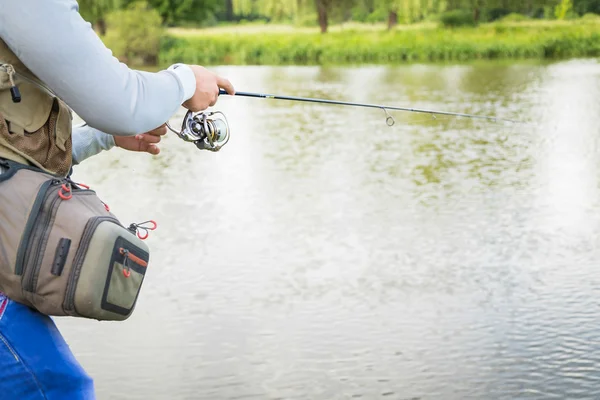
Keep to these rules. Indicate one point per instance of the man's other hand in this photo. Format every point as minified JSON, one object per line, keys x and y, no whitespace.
{"x":144,"y":142}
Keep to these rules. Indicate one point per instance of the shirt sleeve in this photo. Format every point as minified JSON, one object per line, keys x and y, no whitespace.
{"x":88,"y":142}
{"x":51,"y":38}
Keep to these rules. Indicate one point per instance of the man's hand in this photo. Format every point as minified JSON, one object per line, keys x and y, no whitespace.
{"x":144,"y":142}
{"x":207,"y":89}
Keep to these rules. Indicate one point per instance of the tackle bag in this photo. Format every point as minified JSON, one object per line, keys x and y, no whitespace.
{"x":62,"y":252}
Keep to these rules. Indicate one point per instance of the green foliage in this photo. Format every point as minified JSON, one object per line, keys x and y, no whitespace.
{"x":134,"y":34}
{"x":563,"y":9}
{"x":457,"y":18}
{"x":199,"y":13}
{"x":178,"y":12}
{"x":542,"y":41}
{"x":95,"y":11}
{"x":306,"y":20}
{"x":496,"y":14}
{"x":360,"y":14}
{"x":379,"y":15}
{"x":582,"y":7}
{"x":408,"y":10}
{"x":591,"y":17}
{"x":271,"y":10}
{"x":514,"y":17}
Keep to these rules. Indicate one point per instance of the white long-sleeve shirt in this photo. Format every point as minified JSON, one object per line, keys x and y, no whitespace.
{"x":52,"y":39}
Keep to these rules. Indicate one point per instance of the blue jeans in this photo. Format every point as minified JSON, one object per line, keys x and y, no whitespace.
{"x":35,"y":361}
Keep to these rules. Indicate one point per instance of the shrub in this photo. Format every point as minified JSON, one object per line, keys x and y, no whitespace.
{"x":494,"y":14}
{"x":134,"y":34}
{"x":591,"y":17}
{"x":379,"y":15}
{"x":514,"y":17}
{"x":306,"y":20}
{"x":457,"y":18}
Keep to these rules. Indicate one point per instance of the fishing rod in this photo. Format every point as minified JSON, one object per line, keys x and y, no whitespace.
{"x":389,"y":120}
{"x":212,"y":134}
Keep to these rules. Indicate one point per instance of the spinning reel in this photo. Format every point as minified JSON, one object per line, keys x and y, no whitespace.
{"x":206,"y":133}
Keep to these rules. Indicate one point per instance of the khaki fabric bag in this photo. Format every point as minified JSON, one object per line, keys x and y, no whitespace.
{"x":62,"y":252}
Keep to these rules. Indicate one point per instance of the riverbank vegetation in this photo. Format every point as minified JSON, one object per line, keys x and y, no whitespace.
{"x":357,"y":45}
{"x":157,"y":32}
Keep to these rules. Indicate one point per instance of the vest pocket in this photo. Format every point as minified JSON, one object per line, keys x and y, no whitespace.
{"x":32,"y":227}
{"x":125,"y":278}
{"x":37,"y":129}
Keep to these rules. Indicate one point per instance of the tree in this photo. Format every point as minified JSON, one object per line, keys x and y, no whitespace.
{"x":586,"y":6}
{"x":325,"y":9}
{"x":134,"y":33}
{"x":229,"y":10}
{"x":95,"y":12}
{"x":391,"y":7}
{"x":175,"y":12}
{"x":477,"y":5}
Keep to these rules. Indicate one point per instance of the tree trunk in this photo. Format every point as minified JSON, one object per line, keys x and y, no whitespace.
{"x":322,"y":13}
{"x":229,"y":10}
{"x":476,"y":14}
{"x":101,"y":26}
{"x":392,"y":19}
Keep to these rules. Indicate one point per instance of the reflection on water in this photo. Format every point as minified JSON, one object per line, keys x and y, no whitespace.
{"x":324,"y":255}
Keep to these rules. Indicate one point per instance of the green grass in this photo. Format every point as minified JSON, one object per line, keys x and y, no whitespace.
{"x":356,"y":44}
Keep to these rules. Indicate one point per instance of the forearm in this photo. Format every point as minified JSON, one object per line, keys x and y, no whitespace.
{"x":56,"y":44}
{"x":88,"y":142}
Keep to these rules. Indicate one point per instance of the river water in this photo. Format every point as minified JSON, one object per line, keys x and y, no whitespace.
{"x":324,"y":255}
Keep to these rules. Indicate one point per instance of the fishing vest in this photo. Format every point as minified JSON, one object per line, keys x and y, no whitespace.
{"x":35,"y":125}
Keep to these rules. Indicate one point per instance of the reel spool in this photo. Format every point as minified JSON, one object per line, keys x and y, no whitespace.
{"x":206,"y":133}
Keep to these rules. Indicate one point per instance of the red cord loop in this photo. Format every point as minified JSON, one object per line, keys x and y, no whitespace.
{"x":130,"y":256}
{"x":126,"y":269}
{"x":65,"y":188}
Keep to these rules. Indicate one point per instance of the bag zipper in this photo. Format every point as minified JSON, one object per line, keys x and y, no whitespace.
{"x":88,"y":233}
{"x":33,"y":216}
{"x":38,"y":236}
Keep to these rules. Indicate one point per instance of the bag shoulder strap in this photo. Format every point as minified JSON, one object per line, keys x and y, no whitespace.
{"x":12,"y":167}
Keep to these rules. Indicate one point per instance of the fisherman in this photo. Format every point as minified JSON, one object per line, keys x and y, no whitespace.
{"x":122,"y":108}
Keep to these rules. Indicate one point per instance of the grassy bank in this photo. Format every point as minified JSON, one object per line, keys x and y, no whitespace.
{"x":355,"y":44}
